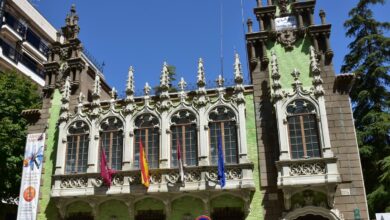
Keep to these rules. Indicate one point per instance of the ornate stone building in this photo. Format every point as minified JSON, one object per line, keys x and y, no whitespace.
{"x":288,"y":141}
{"x":309,"y":159}
{"x":82,"y":116}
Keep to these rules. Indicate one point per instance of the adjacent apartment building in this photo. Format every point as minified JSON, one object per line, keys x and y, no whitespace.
{"x":287,"y":142}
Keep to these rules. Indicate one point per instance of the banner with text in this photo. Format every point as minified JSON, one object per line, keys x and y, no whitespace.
{"x":31,"y":177}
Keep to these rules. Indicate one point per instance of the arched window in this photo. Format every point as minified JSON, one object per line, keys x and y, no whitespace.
{"x":111,"y":140}
{"x":184,"y":133}
{"x":223,"y":122}
{"x":146,"y":128}
{"x":77,"y":148}
{"x":303,"y":130}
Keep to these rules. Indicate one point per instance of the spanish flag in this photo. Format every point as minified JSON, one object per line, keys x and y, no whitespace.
{"x":144,"y":165}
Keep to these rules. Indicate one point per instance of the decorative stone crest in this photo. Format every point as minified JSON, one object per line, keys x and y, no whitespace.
{"x":287,"y":38}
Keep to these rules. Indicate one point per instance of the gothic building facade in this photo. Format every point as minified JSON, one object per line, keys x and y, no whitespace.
{"x":288,"y":142}
{"x":309,"y":160}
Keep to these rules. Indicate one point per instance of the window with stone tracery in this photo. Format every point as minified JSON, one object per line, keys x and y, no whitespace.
{"x":223,"y":122}
{"x":184,"y":133}
{"x":111,"y":140}
{"x":147,"y":130}
{"x":76,"y":160}
{"x":303,"y":129}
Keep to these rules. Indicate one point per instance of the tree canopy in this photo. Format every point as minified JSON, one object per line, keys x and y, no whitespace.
{"x":17,"y":93}
{"x":369,"y":59}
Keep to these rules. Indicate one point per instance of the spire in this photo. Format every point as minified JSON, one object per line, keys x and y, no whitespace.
{"x":130,"y":82}
{"x":164,"y":103}
{"x":182,"y":85}
{"x":238,"y":79}
{"x":201,"y":78}
{"x":276,"y":86}
{"x":315,"y":70}
{"x":164,"y":78}
{"x":71,"y":29}
{"x":237,"y":69}
{"x":201,"y":99}
{"x":130,"y":91}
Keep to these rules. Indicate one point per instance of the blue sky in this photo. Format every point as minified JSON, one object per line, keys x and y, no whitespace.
{"x":144,"y":34}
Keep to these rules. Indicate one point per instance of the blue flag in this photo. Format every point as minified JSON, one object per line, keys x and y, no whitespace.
{"x":221,"y":164}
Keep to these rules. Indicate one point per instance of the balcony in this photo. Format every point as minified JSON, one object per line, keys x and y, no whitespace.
{"x":162,"y":180}
{"x":17,"y":30}
{"x":307,"y":172}
{"x":21,"y":62}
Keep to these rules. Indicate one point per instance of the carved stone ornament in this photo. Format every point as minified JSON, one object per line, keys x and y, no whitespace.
{"x":283,"y":6}
{"x":287,"y":38}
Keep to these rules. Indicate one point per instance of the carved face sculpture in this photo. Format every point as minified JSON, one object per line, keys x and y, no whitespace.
{"x":287,"y":38}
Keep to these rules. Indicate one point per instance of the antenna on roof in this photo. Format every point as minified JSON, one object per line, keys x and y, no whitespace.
{"x":245,"y":45}
{"x":221,"y":34}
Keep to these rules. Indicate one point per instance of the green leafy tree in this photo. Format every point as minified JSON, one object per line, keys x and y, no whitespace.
{"x":17,"y":93}
{"x":369,"y":59}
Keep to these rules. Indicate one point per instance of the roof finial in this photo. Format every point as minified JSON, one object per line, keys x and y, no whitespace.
{"x":97,"y":87}
{"x":220,"y":81}
{"x":130,"y":81}
{"x":237,"y":69}
{"x":201,"y":75}
{"x":147,"y":89}
{"x":182,"y":84}
{"x":164,"y":78}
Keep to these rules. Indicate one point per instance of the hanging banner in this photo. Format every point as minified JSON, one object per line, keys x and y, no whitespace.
{"x":31,"y":177}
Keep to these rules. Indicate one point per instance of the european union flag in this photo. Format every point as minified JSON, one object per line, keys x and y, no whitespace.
{"x":221,"y":164}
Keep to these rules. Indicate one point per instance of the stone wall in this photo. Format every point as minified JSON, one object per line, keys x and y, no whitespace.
{"x":344,"y":145}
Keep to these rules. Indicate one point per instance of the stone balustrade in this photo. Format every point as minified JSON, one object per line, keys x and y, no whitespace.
{"x":161,"y":180}
{"x":304,"y":172}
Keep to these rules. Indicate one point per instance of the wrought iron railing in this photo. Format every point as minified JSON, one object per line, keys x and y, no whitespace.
{"x":16,"y":57}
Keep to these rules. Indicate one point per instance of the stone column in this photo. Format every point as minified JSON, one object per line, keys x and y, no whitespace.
{"x":203,"y":130}
{"x":128,"y":136}
{"x":164,"y":143}
{"x":243,"y":150}
{"x":93,"y":149}
{"x":61,"y":149}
